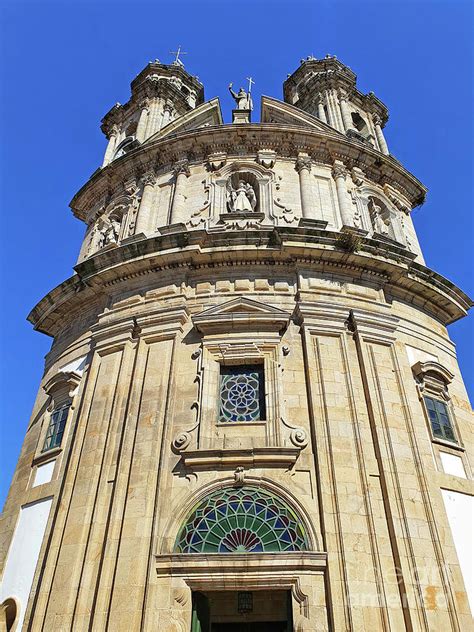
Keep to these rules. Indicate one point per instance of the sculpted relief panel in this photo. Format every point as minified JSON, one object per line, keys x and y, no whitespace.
{"x":248,"y":194}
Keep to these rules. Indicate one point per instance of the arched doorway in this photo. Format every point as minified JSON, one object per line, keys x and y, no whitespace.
{"x":236,"y":521}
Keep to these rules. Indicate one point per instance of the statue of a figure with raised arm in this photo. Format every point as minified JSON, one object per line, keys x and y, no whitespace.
{"x":242,"y":98}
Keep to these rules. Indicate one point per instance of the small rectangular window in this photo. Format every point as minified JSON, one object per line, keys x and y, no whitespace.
{"x":242,"y":393}
{"x":439,"y":419}
{"x":54,"y":434}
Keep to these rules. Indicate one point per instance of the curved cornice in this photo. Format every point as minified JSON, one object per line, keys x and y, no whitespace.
{"x":244,"y":141}
{"x":390,"y":267}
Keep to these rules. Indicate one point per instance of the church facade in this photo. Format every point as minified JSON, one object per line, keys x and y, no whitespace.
{"x":251,"y":417}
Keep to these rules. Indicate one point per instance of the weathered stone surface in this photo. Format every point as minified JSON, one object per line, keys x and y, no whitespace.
{"x":322,"y":283}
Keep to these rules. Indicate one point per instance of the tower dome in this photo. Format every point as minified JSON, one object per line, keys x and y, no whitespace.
{"x":251,"y":412}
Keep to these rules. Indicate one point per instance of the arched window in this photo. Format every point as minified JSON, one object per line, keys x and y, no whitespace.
{"x":125,"y":146}
{"x":243,"y":519}
{"x":360,"y":124}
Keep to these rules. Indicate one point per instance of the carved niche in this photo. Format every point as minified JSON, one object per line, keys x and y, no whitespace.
{"x":115,"y":221}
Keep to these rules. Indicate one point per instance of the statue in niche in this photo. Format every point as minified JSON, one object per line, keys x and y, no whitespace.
{"x":241,"y":98}
{"x":378,"y":221}
{"x":241,"y":199}
{"x":110,"y":232}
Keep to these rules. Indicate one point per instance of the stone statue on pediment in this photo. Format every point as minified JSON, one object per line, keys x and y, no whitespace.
{"x":241,"y":199}
{"x":242,"y":99}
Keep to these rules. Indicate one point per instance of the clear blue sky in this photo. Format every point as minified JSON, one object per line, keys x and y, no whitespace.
{"x":64,"y":64}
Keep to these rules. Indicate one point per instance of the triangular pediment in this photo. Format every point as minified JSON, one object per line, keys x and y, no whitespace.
{"x":208,"y":113}
{"x":275,"y":111}
{"x":243,"y":314}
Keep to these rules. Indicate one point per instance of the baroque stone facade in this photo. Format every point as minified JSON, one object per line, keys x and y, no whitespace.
{"x":251,"y":416}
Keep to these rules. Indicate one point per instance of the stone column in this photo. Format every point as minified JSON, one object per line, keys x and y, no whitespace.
{"x":321,"y":112}
{"x":153,"y":114}
{"x":339,"y":173}
{"x":181,"y":170}
{"x":143,"y":121}
{"x":166,"y":115}
{"x":145,"y":208}
{"x":346,"y":115}
{"x":112,"y":144}
{"x":303,"y":167}
{"x":379,"y":134}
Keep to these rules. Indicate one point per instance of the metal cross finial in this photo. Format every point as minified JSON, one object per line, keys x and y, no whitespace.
{"x":250,"y":80}
{"x":178,"y":53}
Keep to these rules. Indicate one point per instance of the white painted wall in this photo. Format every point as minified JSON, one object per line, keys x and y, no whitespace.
{"x":417,"y":355}
{"x":24,"y":552}
{"x":44,"y":473}
{"x":460,"y":510}
{"x":452,"y":464}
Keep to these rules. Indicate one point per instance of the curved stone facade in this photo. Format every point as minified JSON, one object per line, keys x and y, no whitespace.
{"x":277,"y":256}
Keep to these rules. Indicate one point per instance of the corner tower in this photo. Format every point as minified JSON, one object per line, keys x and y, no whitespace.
{"x":160,"y":93}
{"x":327,"y":89}
{"x":251,"y":413}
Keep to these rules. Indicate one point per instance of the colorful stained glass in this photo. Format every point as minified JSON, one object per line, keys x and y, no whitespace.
{"x":242,"y":520}
{"x":242,"y":393}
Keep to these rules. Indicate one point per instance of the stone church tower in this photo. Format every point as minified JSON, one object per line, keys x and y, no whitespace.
{"x":251,"y":417}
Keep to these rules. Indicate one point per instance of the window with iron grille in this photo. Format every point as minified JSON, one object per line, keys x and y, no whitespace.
{"x":242,"y":393}
{"x":439,"y":418}
{"x":56,"y":426}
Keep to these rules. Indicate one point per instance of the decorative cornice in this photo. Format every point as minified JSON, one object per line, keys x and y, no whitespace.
{"x":388,"y":266}
{"x":285,"y":140}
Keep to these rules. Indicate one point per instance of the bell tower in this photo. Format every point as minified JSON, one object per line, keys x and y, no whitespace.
{"x":160,"y":94}
{"x":326,"y":88}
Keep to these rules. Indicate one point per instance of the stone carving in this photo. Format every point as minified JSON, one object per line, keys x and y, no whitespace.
{"x":239,"y":476}
{"x":298,"y":435}
{"x":266,"y":158}
{"x":181,"y":441}
{"x":303,"y":162}
{"x":378,"y":222}
{"x":241,"y":199}
{"x":182,"y":166}
{"x":216,"y":160}
{"x":242,"y":99}
{"x":109,"y":233}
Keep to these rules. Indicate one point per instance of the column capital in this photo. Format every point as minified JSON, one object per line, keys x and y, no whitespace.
{"x":144,"y":104}
{"x":343,"y":95}
{"x":377,"y":120}
{"x":149,"y":177}
{"x":303,"y":162}
{"x":182,"y":166}
{"x":339,"y":170}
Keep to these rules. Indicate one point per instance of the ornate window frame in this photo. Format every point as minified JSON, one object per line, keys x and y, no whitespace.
{"x":432,"y":380}
{"x":61,"y":389}
{"x":240,"y":331}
